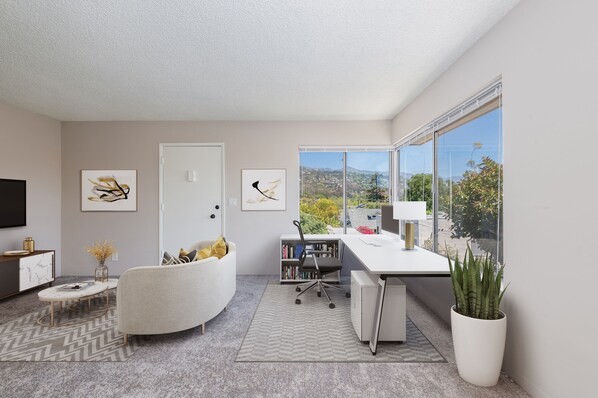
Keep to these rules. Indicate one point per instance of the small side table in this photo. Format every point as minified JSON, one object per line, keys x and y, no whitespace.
{"x":54,"y":294}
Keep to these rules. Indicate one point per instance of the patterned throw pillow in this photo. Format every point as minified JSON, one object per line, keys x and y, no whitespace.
{"x":188,"y":257}
{"x":169,"y":259}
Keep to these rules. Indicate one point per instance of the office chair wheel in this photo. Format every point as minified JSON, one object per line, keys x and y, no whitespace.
{"x":297,"y":301}
{"x":347,"y":294}
{"x":319,"y":294}
{"x":297,"y":289}
{"x":331,"y":305}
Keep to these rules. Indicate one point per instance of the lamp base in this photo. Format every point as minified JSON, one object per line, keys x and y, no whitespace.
{"x":409,"y":236}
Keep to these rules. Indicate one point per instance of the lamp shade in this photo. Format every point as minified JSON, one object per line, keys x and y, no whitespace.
{"x":409,"y":211}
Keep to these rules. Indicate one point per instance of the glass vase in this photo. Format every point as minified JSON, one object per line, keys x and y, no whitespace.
{"x":101,"y":273}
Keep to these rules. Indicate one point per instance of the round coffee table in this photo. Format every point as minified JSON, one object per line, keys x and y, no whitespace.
{"x":55,"y":294}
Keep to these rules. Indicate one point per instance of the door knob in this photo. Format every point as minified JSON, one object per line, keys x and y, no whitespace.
{"x":212,"y":215}
{"x":217,"y":207}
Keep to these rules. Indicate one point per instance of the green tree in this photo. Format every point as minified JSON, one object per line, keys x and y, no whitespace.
{"x":477,"y":206}
{"x":324,"y":209}
{"x":419,"y":188}
{"x":312,"y":225}
{"x":375,"y":193}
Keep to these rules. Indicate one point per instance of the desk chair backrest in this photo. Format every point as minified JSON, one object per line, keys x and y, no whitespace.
{"x":303,"y":254}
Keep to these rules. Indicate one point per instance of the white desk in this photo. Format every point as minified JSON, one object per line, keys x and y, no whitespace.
{"x":386,"y":257}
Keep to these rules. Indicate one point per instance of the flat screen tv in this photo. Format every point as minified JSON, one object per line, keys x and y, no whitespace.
{"x":13,"y":203}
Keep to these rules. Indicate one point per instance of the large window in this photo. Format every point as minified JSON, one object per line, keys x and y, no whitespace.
{"x":457,"y":169}
{"x":342,"y":191}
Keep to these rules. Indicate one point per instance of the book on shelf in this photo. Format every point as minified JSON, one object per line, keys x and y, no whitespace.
{"x":298,"y":250}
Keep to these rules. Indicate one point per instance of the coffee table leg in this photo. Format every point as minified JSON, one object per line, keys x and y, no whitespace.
{"x":51,"y":313}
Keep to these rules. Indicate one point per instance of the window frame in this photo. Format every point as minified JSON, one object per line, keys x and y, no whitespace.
{"x":484,"y":102}
{"x":345,"y":149}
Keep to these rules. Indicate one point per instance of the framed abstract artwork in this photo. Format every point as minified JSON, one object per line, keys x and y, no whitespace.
{"x":263,"y":189}
{"x":108,"y":190}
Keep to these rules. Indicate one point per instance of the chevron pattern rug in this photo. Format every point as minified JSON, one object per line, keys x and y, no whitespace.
{"x":282,"y":331}
{"x":22,"y":339}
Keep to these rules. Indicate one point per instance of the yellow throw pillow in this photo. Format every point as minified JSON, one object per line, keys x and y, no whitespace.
{"x":204,"y":253}
{"x":219,"y":248}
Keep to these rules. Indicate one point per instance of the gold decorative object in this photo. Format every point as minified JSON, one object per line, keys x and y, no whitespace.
{"x":409,"y":236}
{"x":29,"y":244}
{"x":101,"y":251}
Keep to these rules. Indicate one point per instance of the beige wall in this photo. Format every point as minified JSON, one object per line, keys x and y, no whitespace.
{"x":134,"y":145}
{"x":546,"y":53}
{"x":30,"y":150}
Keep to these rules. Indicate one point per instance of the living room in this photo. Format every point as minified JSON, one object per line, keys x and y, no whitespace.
{"x":543,"y":52}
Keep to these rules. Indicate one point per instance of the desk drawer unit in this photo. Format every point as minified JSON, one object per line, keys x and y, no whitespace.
{"x":364,"y":291}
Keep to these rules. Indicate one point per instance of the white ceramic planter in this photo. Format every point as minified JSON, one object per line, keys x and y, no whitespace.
{"x":479,"y":347}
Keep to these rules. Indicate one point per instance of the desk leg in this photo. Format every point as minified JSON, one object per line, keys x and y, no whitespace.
{"x":378,"y":315}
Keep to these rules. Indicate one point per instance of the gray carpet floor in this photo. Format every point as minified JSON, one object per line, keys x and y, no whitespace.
{"x":282,"y":331}
{"x":187,"y":364}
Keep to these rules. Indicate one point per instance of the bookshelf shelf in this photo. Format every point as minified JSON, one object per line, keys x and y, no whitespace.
{"x":290,"y":249}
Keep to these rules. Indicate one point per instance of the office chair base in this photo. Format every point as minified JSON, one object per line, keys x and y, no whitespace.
{"x":320,"y":287}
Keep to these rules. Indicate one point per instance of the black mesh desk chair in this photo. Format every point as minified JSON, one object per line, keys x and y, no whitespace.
{"x":310,"y":262}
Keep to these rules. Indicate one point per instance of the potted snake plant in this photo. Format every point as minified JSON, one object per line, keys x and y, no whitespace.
{"x":479,"y":326}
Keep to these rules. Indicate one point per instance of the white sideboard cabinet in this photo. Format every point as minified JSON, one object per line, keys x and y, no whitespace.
{"x":20,"y":273}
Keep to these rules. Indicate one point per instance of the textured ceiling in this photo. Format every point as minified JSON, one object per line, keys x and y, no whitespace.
{"x":231,"y":60}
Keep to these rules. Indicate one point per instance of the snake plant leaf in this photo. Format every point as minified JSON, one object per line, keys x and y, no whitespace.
{"x":502,"y":294}
{"x":484,"y":312}
{"x":477,"y":285}
{"x":491,"y":301}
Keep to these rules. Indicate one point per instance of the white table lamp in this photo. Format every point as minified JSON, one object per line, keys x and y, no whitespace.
{"x":408,"y":212}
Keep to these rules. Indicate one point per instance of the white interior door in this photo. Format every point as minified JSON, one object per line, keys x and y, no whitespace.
{"x":191,"y":182}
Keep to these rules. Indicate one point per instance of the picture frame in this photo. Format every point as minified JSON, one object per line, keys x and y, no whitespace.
{"x":263,"y":189}
{"x":108,"y":190}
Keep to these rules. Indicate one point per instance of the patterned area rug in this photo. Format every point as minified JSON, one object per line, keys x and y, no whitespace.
{"x":22,"y":339}
{"x":282,"y":331}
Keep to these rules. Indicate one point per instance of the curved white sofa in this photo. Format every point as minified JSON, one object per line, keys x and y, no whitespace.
{"x":166,"y":299}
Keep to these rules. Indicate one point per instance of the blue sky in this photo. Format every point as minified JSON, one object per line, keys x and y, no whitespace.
{"x":456,"y":148}
{"x":371,"y":161}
